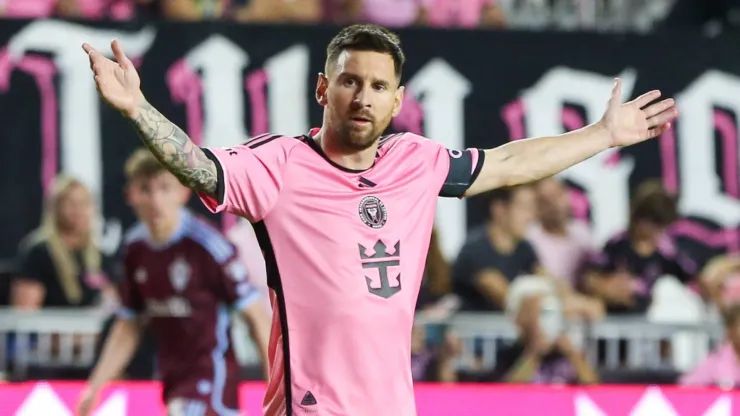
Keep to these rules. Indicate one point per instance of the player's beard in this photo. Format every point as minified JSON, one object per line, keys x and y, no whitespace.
{"x":358,"y":139}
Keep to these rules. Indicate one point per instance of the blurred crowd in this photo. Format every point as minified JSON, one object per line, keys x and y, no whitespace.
{"x":532,"y":262}
{"x":600,"y":15}
{"x":536,"y":264}
{"x":391,"y":13}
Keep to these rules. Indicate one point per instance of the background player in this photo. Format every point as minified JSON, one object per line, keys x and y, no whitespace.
{"x":345,"y":215}
{"x":180,"y":273}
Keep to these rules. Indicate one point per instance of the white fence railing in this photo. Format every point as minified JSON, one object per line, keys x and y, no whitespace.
{"x":52,"y":338}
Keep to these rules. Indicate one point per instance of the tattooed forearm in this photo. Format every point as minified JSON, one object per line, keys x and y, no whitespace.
{"x":175,"y":150}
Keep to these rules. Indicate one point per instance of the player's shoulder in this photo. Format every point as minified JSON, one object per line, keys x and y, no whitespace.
{"x":272,"y":141}
{"x":620,"y":240}
{"x":34,"y":243}
{"x":476,"y":238}
{"x":406,"y":141}
{"x":135,"y":234}
{"x":210,"y":239}
{"x":404,"y":137}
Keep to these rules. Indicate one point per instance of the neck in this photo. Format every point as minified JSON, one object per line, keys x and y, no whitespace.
{"x":502,"y":241}
{"x":342,"y":156}
{"x":74,"y":240}
{"x":164,"y":231}
{"x":554,"y":227}
{"x":644,"y":246}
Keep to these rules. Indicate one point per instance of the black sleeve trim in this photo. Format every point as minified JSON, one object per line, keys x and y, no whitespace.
{"x":220,"y":185}
{"x":462,"y":174}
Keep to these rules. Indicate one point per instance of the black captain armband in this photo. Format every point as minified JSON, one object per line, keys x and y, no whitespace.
{"x":220,"y":185}
{"x":462,"y":172}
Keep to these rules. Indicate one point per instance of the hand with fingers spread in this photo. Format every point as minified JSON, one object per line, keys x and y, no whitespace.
{"x":638,"y":120}
{"x":117,"y":82}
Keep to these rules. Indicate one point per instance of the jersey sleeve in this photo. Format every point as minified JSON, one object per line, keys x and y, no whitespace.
{"x":132,"y":303}
{"x":455,"y":170}
{"x":250,"y":177}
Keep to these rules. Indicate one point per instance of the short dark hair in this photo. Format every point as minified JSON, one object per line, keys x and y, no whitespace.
{"x":142,"y":165}
{"x":502,"y":195}
{"x":652,"y":203}
{"x":367,"y":37}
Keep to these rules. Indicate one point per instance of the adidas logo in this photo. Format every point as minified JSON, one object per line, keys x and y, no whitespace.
{"x":308,"y":399}
{"x":366,"y":183}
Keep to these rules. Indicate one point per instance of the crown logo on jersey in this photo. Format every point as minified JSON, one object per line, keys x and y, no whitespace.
{"x":381,"y":251}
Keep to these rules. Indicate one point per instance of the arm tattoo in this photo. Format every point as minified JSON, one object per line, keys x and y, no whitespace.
{"x":174,"y":149}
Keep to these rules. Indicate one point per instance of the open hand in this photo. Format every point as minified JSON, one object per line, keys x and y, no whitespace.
{"x":638,"y":120}
{"x":117,"y":82}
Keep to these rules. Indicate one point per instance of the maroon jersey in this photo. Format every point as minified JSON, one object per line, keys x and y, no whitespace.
{"x":185,"y":288}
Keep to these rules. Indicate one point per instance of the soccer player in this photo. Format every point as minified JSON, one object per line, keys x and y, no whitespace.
{"x":345,"y":214}
{"x":180,"y":274}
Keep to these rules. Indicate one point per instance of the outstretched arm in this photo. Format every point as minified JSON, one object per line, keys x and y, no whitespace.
{"x":533,"y":159}
{"x":119,"y":85}
{"x":174,"y":149}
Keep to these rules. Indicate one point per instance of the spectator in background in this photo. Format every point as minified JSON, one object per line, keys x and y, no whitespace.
{"x":388,"y":13}
{"x":466,"y":14}
{"x":433,"y":353}
{"x":187,"y":10}
{"x":497,"y":252}
{"x":281,"y":11}
{"x":97,"y":9}
{"x":436,"y":282}
{"x":722,"y":367}
{"x":720,"y":279}
{"x":60,"y":265}
{"x":263,"y":11}
{"x":25,"y":9}
{"x":85,"y":9}
{"x":563,"y":245}
{"x":543,"y":352}
{"x":623,"y":275}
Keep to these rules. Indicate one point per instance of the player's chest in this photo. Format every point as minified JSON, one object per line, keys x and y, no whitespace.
{"x":168,"y":274}
{"x":387,"y":196}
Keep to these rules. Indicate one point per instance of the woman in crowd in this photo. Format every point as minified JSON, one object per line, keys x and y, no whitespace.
{"x":60,"y":264}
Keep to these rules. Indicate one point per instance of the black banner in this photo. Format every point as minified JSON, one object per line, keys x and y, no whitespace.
{"x":223,"y":83}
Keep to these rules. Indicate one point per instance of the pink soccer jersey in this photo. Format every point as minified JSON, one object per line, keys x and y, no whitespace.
{"x":344,"y":252}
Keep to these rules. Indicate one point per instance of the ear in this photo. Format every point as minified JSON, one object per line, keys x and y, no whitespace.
{"x":322,"y":84}
{"x":398,"y":101}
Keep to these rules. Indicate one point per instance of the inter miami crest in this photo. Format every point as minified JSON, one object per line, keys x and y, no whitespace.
{"x":372,"y":212}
